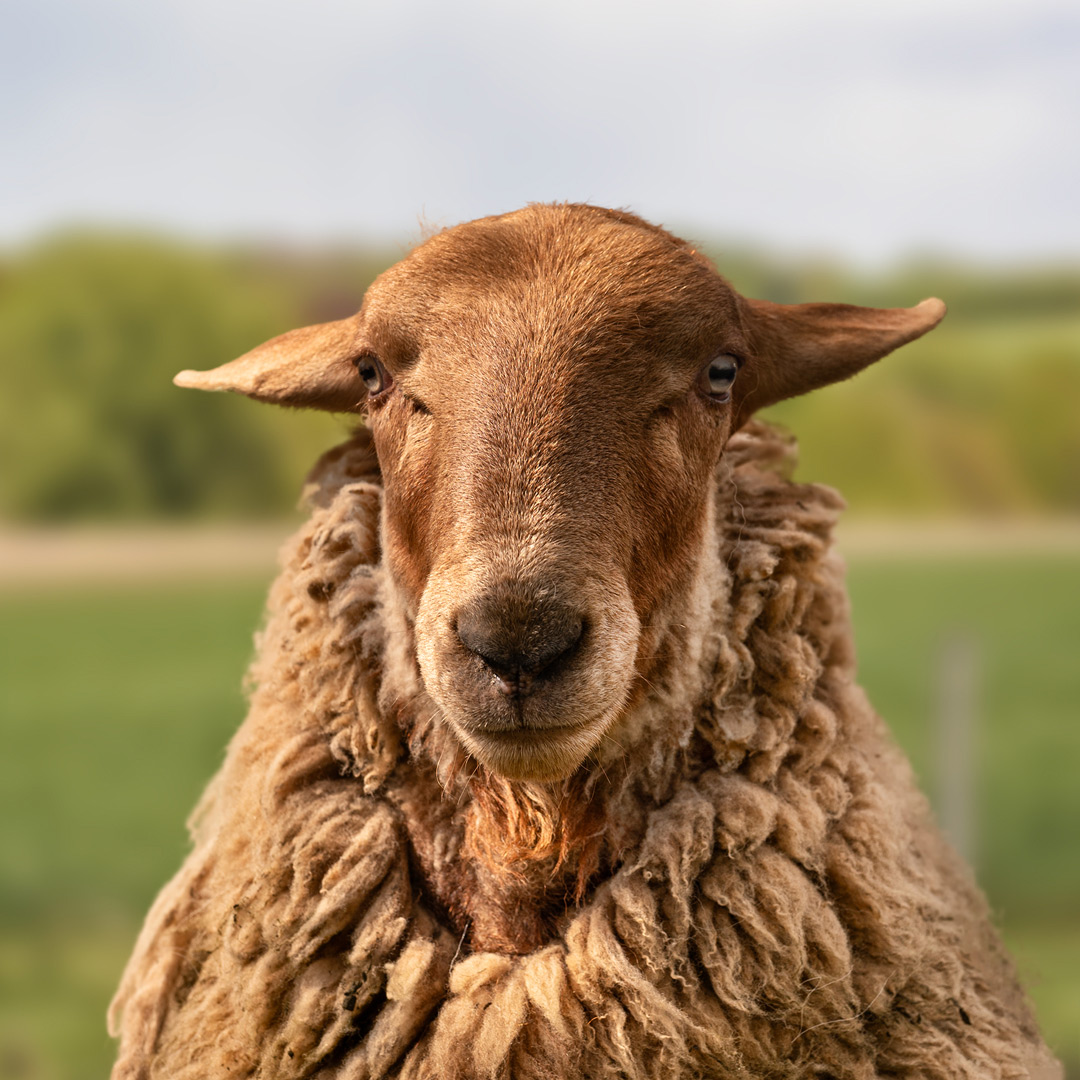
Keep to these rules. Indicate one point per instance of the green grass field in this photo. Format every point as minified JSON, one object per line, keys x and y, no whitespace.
{"x":116,"y":703}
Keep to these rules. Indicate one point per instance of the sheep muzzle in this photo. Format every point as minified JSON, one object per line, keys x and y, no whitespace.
{"x":529,"y":683}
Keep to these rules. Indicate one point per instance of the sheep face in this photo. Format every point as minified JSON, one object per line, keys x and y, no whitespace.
{"x":550,"y":393}
{"x":547,"y":433}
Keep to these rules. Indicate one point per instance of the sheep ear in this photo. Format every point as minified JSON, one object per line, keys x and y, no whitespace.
{"x":311,"y":367}
{"x":799,"y":347}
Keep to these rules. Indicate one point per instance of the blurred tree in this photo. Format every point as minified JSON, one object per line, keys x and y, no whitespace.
{"x":93,"y":328}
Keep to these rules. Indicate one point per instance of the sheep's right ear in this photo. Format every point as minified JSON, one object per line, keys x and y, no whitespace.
{"x":312,"y":367}
{"x":799,"y":347}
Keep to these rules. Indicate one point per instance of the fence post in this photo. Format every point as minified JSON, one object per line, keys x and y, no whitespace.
{"x":957,"y":689}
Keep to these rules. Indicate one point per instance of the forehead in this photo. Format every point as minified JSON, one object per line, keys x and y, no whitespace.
{"x":554,"y":276}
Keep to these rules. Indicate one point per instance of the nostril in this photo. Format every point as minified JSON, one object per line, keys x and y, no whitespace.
{"x":479,"y":635}
{"x":519,"y":641}
{"x":557,"y":641}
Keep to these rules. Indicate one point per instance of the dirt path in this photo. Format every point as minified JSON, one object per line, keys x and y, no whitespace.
{"x":962,"y":539}
{"x":148,"y":553}
{"x":35,"y":557}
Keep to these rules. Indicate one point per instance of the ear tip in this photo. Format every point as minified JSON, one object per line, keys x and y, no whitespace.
{"x":204,"y":380}
{"x":932,"y":310}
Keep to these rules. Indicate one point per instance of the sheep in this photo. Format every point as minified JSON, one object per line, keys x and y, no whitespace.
{"x":555,"y":764}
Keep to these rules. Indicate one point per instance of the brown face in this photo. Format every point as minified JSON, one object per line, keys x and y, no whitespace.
{"x":550,"y":392}
{"x":548,"y":416}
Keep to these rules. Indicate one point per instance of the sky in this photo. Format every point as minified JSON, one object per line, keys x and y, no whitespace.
{"x":867,"y":130}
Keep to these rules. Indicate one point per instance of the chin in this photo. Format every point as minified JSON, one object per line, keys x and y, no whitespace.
{"x":539,"y":755}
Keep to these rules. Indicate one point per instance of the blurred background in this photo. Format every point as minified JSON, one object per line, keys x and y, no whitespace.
{"x":184,"y":179}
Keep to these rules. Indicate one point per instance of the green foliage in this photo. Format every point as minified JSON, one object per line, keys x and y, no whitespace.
{"x":92,"y":329}
{"x":979,"y":417}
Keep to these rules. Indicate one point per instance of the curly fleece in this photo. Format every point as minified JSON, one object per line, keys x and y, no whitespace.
{"x":781,"y":904}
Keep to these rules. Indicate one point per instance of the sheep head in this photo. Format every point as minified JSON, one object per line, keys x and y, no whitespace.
{"x":550,"y":393}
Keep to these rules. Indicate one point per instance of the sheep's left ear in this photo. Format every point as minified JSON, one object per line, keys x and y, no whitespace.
{"x":312,"y":367}
{"x":799,"y":347}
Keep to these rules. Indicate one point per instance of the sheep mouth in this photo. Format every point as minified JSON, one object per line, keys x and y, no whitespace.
{"x":516,"y":690}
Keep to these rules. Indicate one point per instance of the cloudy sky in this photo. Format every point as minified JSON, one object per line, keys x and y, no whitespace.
{"x":864,"y":128}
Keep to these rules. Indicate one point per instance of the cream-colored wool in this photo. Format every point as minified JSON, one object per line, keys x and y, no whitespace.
{"x":781,"y":904}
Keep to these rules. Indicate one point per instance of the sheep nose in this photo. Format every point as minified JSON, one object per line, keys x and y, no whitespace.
{"x":519,"y":636}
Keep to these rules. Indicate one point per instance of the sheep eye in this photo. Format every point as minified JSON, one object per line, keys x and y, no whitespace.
{"x":718,"y":375}
{"x":372,"y":374}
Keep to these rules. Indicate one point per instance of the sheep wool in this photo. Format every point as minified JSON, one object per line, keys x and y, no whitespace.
{"x":757,"y":890}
